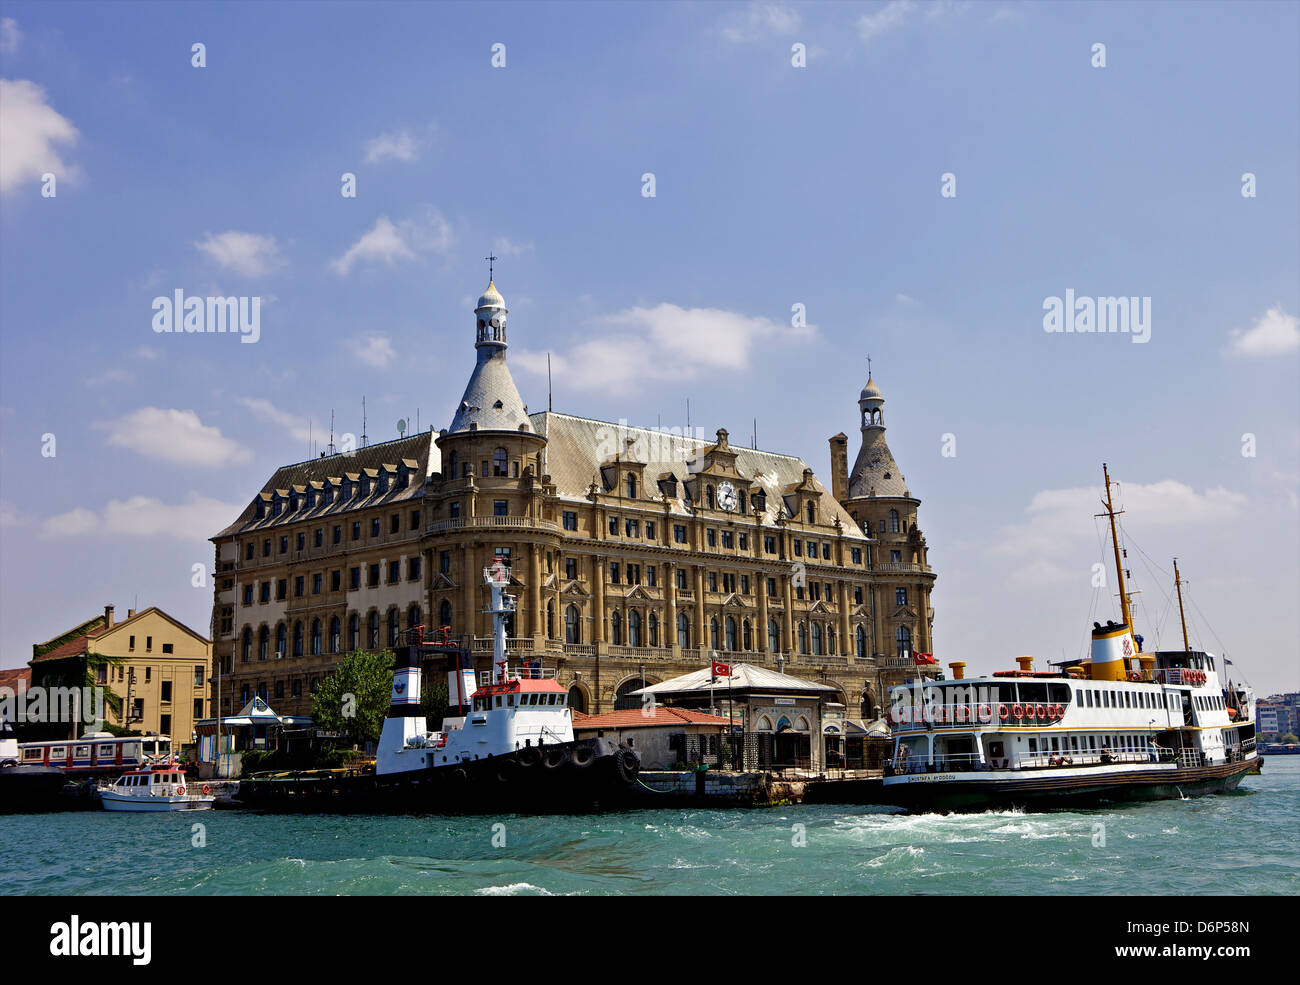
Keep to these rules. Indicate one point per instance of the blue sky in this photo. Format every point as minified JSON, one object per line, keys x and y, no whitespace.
{"x":775,"y":185}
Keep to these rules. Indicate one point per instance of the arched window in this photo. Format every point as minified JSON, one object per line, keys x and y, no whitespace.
{"x":263,"y":642}
{"x":444,"y":614}
{"x":904,"y":640}
{"x":372,"y":634}
{"x":281,"y":635}
{"x":773,"y":636}
{"x":499,"y":462}
{"x":893,"y":521}
{"x":335,"y":641}
{"x":550,"y":619}
{"x":803,"y":638}
{"x":653,"y":623}
{"x":315,"y":637}
{"x":394,"y":625}
{"x":631,"y":485}
{"x":297,"y":639}
{"x":862,"y":642}
{"x":817,"y":638}
{"x":577,"y":698}
{"x":616,"y":629}
{"x":354,"y":632}
{"x":572,"y":625}
{"x":248,"y":644}
{"x":708,"y":496}
{"x":683,"y":631}
{"x":731,"y":633}
{"x":748,"y":636}
{"x":713,"y":633}
{"x":634,"y":628}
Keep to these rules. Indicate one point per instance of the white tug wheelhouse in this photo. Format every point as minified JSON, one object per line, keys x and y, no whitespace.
{"x":507,"y":711}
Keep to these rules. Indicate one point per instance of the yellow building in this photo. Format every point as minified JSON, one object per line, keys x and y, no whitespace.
{"x":635,"y":553}
{"x":161,"y":674}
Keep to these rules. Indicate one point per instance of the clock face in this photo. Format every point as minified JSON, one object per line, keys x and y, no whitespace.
{"x":727,"y":496}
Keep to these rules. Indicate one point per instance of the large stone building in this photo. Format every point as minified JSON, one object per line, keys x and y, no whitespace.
{"x":635,"y":553}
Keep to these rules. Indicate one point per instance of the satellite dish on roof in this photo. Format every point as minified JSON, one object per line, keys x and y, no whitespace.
{"x":401,"y":426}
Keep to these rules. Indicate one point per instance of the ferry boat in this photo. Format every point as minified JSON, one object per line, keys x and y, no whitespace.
{"x":1122,"y":725}
{"x":159,"y":787}
{"x":507,"y":741}
{"x":25,"y":788}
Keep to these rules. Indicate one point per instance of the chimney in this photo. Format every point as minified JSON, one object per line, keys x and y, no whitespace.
{"x":108,"y":617}
{"x":840,"y":467}
{"x":130,"y":613}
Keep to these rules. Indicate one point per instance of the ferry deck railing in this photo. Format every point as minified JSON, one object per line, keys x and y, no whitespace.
{"x":970,"y":762}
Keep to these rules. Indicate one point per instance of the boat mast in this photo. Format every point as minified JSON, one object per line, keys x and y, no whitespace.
{"x":1178,"y":584}
{"x":1114,"y":539}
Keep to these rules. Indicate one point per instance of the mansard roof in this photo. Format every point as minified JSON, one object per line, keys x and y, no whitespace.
{"x":875,"y":473}
{"x":491,"y":401}
{"x":416,"y":452}
{"x":577,"y":447}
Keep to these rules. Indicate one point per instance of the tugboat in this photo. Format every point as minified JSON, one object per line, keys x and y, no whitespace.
{"x":1122,"y":725}
{"x":505,"y":743}
{"x":26,"y":788}
{"x":160,"y":787}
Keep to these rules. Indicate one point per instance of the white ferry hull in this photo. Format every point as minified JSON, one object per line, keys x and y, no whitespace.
{"x":1060,"y":788}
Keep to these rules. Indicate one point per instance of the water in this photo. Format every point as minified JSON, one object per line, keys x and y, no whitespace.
{"x":1241,"y":843}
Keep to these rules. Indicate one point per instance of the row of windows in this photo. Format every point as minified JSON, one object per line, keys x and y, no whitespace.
{"x":313,"y":639}
{"x":500,"y":466}
{"x":318,"y":535}
{"x":346,"y":489}
{"x":295,"y":688}
{"x":1107,"y":698}
{"x":106,"y":675}
{"x":372,"y":580}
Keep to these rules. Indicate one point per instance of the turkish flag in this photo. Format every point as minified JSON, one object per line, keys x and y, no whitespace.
{"x":721,"y":669}
{"x":924,"y":658}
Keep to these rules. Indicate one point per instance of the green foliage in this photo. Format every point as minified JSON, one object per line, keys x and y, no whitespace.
{"x":433,"y":698}
{"x":353,"y":699}
{"x":1288,"y":739}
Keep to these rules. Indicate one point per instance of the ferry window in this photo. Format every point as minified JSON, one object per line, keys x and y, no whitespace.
{"x":559,"y":698}
{"x":1074,"y":743}
{"x":1056,"y":744}
{"x":1033,"y":746}
{"x":498,"y":701}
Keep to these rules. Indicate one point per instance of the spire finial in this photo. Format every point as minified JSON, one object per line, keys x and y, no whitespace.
{"x":868,"y":365}
{"x":491,"y":259}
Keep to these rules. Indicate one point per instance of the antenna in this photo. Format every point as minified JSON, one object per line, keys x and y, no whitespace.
{"x":363,"y":422}
{"x":549,"y":406}
{"x":331,"y":449}
{"x":755,"y":446}
{"x":689,"y":432}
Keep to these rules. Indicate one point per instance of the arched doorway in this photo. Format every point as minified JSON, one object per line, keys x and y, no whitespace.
{"x":578,"y":698}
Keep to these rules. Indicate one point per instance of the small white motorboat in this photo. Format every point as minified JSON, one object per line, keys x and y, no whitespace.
{"x":160,"y":787}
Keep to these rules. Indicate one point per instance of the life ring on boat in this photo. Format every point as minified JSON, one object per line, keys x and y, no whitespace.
{"x":207,"y":789}
{"x":1003,"y":712}
{"x":1060,"y":711}
{"x":961,"y":713}
{"x":1018,"y":711}
{"x":986,"y":713}
{"x":1042,"y":711}
{"x":1134,"y":676}
{"x":940,"y":714}
{"x":181,"y":790}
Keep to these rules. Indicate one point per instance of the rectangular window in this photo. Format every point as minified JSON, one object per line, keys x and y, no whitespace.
{"x":744,"y":542}
{"x":284,"y":545}
{"x":354,"y":577}
{"x":372,"y":576}
{"x":453,"y":511}
{"x":299,"y":586}
{"x":444,"y":562}
{"x":826,"y":552}
{"x":798,"y":548}
{"x":681,"y":579}
{"x":266,"y":548}
{"x":649,"y":530}
{"x":395,"y":523}
{"x":248,"y":600}
{"x":713,"y":581}
{"x":895,"y":557}
{"x":728,"y":540}
{"x":711,"y":537}
{"x":338,"y":533}
{"x":771,"y":588}
{"x":679,"y":533}
{"x":394,"y":572}
{"x":415,"y":519}
{"x":500,"y":507}
{"x":744,"y":584}
{"x":374,"y":526}
{"x":319,"y":538}
{"x":570,"y":568}
{"x":265,"y":593}
{"x":634,"y":574}
{"x":570,"y":520}
{"x":356,"y":530}
{"x":413,"y":568}
{"x":302,"y":539}
{"x":900,"y":596}
{"x":199,"y":673}
{"x":613,"y":572}
{"x":650,"y":576}
{"x":631,"y":527}
{"x":613,"y":526}
{"x":316,"y":583}
{"x":282,"y":589}
{"x":248,"y":552}
{"x":336,"y":579}
{"x":769,"y":545}
{"x":165,"y":690}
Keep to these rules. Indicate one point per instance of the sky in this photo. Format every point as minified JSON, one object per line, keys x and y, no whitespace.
{"x":727,"y":204}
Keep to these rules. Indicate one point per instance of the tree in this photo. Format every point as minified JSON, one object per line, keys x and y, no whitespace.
{"x":1288,"y":739}
{"x":353,"y":699}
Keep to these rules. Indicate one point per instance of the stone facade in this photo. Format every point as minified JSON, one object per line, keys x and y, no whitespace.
{"x":635,"y":553}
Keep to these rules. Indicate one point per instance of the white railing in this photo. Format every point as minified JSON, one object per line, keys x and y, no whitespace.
{"x":491,"y":521}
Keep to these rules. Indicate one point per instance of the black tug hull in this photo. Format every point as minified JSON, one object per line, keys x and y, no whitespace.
{"x":32,"y":789}
{"x":1042,"y":792}
{"x":583,"y":775}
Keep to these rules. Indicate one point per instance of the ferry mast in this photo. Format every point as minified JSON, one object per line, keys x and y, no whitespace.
{"x":1119,"y":564}
{"x":1178,"y":584}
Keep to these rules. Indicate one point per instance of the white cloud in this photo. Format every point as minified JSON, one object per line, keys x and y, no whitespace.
{"x":29,"y":130}
{"x":1274,"y":332}
{"x":374,"y":350}
{"x":247,"y":254}
{"x":297,"y":428}
{"x":196,"y":519}
{"x":9,"y":36}
{"x":389,"y":242}
{"x":398,"y":146}
{"x":665,"y":342}
{"x":148,"y":353}
{"x":9,"y":514}
{"x":887,"y":18}
{"x":505,"y":247}
{"x":110,"y":376}
{"x":759,"y":21}
{"x":174,"y":436}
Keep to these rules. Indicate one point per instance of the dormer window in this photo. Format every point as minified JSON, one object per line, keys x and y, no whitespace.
{"x":261,"y":509}
{"x":365,"y":485}
{"x":276,"y":505}
{"x":383,"y":481}
{"x":293,"y":502}
{"x":328,"y":493}
{"x":759,"y":499}
{"x":631,"y":485}
{"x":347,"y":490}
{"x":311,"y":498}
{"x":812,"y":513}
{"x":403,"y":477}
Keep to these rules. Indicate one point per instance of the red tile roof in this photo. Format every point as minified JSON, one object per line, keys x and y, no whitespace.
{"x":10,"y":678}
{"x":658,"y":715}
{"x":74,"y":647}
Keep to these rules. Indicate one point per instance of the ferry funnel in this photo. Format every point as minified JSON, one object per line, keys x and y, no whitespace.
{"x":1112,"y":649}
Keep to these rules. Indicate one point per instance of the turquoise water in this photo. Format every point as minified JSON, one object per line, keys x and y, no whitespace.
{"x":1241,"y":843}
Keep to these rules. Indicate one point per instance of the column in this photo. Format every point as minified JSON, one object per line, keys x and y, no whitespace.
{"x":670,"y":600}
{"x":598,"y":592}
